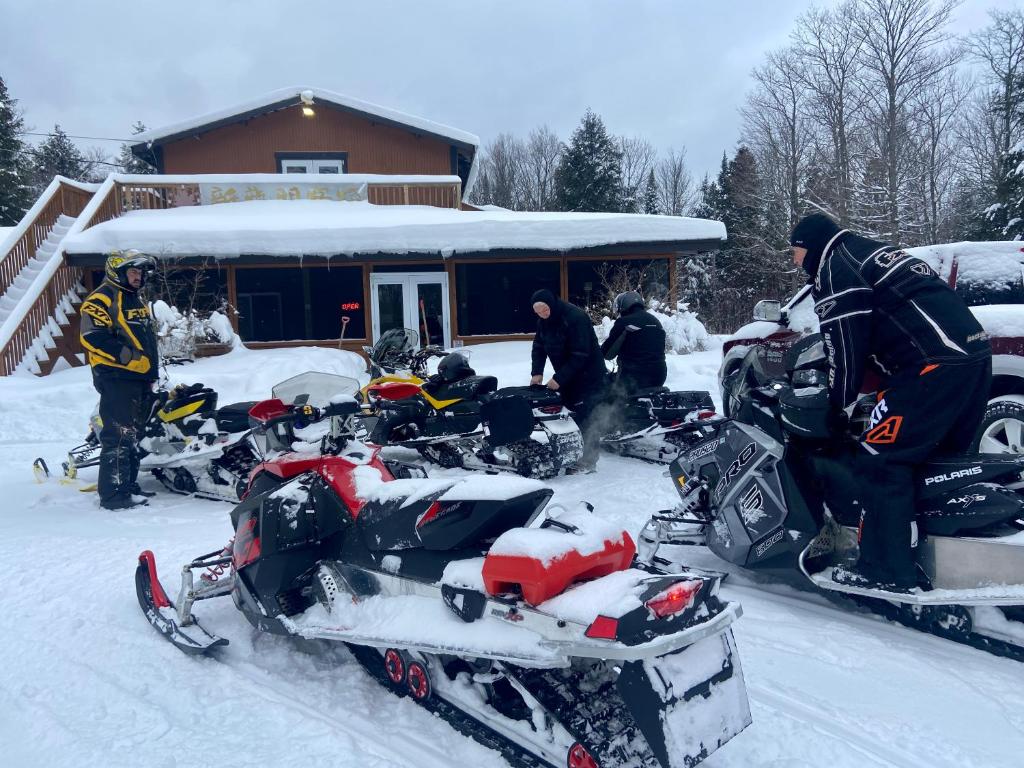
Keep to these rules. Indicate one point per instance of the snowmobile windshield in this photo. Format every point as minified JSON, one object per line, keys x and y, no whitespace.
{"x":751,"y":375}
{"x":316,"y":389}
{"x":394,"y":347}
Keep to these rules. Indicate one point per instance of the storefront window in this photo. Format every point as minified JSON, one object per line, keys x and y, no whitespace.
{"x":595,"y":283}
{"x":280,"y":304}
{"x":494,"y":298}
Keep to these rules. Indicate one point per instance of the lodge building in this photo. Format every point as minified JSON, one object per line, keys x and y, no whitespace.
{"x":322,"y":219}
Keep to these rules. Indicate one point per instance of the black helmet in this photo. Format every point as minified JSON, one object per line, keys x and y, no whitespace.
{"x":119,"y":262}
{"x":625,"y":302}
{"x":453,"y":367}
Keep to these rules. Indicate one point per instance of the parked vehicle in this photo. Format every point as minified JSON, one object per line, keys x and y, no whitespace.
{"x":460,"y":594}
{"x":741,"y":495}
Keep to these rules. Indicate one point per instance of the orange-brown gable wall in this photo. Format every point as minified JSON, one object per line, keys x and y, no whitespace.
{"x":249,"y":147}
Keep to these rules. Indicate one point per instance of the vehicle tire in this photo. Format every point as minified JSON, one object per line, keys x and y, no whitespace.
{"x":728,"y":384}
{"x":1002,"y":428}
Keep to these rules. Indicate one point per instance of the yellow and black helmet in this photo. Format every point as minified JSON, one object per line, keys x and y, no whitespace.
{"x":119,"y":262}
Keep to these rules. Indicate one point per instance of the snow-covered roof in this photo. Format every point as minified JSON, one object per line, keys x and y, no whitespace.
{"x":289,"y":96}
{"x":329,"y":228}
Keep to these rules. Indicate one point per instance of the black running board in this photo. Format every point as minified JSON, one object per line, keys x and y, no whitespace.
{"x":160,"y":612}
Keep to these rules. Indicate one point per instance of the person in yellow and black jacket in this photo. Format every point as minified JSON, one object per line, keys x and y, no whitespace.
{"x":119,"y":340}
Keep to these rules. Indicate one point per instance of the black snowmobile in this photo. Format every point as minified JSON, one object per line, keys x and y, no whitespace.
{"x":458,"y":419}
{"x":458,"y":593}
{"x":656,"y":424}
{"x":189,"y":444}
{"x":745,"y":493}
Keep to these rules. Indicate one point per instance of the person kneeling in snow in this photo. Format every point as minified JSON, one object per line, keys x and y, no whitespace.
{"x":879,"y":307}
{"x":566,"y":337}
{"x":638,"y":341}
{"x":117,"y":334}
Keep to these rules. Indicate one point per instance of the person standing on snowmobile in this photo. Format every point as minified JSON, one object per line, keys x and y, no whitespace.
{"x":566,"y":337}
{"x":117,"y":334}
{"x":638,"y":341}
{"x":883,"y":309}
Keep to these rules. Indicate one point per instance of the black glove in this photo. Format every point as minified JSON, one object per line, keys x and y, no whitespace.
{"x":838,"y":422}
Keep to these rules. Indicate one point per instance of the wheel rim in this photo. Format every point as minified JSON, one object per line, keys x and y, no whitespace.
{"x":1003,"y":436}
{"x":419,"y":683}
{"x":394,"y":665}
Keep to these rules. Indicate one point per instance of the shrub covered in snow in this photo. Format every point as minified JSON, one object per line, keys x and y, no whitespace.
{"x":684,"y":332}
{"x":178,"y":332}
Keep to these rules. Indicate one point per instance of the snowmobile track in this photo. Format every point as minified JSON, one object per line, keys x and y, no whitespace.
{"x":514,"y":754}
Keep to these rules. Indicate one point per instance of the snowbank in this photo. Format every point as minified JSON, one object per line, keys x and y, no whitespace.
{"x":332,"y":228}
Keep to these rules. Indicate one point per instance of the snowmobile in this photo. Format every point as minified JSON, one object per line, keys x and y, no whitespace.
{"x":746,"y":493}
{"x":397,"y":356}
{"x":655,"y":424}
{"x":189,"y":444}
{"x":193,"y":447}
{"x":464,"y":594}
{"x":458,"y":419}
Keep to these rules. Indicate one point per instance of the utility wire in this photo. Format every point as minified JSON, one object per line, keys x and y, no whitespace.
{"x":73,"y":136}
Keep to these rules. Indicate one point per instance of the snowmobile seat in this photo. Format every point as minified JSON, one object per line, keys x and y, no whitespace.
{"x":648,"y":392}
{"x":536,"y":395}
{"x":234,"y":417}
{"x":468,"y":388}
{"x":540,"y":564}
{"x":942,"y":475}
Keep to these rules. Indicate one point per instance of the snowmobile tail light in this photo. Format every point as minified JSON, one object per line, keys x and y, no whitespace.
{"x":603,"y":628}
{"x":551,"y":409}
{"x":579,"y":757}
{"x":676,"y":598}
{"x":432,"y":513}
{"x":705,"y":414}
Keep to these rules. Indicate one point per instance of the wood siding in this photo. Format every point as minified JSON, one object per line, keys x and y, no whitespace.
{"x":249,"y":147}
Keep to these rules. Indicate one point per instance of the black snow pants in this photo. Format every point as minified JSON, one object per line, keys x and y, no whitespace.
{"x":124,"y":405}
{"x":934,"y":412}
{"x":590,"y":411}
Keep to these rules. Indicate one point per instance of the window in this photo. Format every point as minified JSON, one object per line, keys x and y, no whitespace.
{"x":495,"y":298}
{"x":312,"y":162}
{"x":595,"y":282}
{"x":279,"y":304}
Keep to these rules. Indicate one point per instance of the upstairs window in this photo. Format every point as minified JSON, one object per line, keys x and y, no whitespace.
{"x":312,"y":162}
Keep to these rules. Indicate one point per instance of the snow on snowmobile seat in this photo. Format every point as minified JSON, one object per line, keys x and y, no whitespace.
{"x":542,"y":562}
{"x":234,"y":417}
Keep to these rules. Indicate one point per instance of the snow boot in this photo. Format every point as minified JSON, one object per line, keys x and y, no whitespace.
{"x":137,"y":491}
{"x":854,"y":576}
{"x":125,"y":502}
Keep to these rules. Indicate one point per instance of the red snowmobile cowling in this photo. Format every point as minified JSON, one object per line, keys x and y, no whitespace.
{"x":336,"y":470}
{"x":394,"y":390}
{"x":540,"y":579}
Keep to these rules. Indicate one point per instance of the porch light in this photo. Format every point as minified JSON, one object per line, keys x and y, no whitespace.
{"x":306,"y":97}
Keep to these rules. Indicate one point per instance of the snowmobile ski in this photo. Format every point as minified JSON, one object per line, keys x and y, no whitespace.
{"x":163,"y":615}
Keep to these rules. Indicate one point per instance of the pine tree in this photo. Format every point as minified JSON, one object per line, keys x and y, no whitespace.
{"x":589,"y":175}
{"x":58,"y":156}
{"x":14,"y":193}
{"x":650,"y":201}
{"x":128,"y":162}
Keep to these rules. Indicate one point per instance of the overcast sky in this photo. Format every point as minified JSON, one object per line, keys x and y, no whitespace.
{"x":674,"y":71}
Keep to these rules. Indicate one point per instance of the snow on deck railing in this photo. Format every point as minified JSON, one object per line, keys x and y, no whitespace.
{"x":159,"y":192}
{"x":62,"y":196}
{"x":51,"y":285}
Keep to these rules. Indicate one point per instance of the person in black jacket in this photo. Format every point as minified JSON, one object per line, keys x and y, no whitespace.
{"x":566,"y":337}
{"x":638,"y":341}
{"x":120,"y":342}
{"x":882,"y":309}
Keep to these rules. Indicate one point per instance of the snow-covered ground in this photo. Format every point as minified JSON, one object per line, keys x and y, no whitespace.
{"x":85,"y":681}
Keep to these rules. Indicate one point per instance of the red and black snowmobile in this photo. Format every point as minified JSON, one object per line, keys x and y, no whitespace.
{"x":539,"y":635}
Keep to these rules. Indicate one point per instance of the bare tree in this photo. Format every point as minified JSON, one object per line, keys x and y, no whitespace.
{"x":936,"y":108}
{"x":539,"y":162}
{"x":638,"y":159}
{"x":1000,"y":48}
{"x":675,"y":184}
{"x":504,"y":166}
{"x":829,"y":44}
{"x":904,"y":51}
{"x":776,"y":127}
